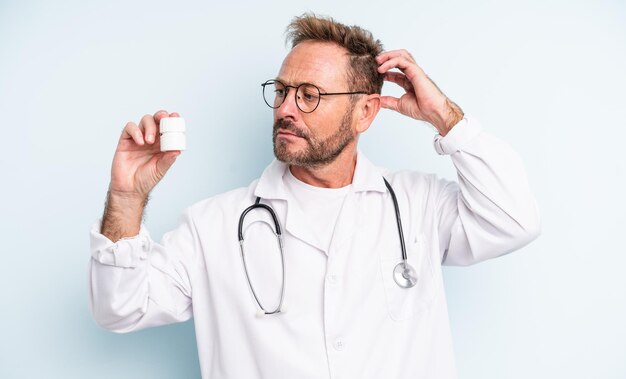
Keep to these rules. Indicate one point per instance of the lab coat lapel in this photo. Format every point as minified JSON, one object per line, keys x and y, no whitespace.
{"x":271,"y":187}
{"x":367,"y":177}
{"x":349,"y":220}
{"x":298,"y":224}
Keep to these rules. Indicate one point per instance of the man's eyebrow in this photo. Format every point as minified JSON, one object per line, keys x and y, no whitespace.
{"x":322,"y":90}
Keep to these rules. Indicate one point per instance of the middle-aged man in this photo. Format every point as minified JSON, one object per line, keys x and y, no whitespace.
{"x":343,"y":303}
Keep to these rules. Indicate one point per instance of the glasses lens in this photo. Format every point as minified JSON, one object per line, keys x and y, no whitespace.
{"x":273,"y":93}
{"x":308,"y":97}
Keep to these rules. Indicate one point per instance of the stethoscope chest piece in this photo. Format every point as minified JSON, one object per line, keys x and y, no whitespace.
{"x":404,"y":275}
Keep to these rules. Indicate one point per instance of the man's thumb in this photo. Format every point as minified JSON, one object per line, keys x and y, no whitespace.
{"x":389,"y":102}
{"x":167,"y":161}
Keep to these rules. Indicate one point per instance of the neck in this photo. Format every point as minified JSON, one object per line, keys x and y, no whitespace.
{"x":336,"y":174}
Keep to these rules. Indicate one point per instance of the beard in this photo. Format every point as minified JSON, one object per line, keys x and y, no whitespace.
{"x":318,"y":152}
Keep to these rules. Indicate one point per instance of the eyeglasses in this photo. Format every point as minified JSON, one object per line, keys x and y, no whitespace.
{"x":307,"y":95}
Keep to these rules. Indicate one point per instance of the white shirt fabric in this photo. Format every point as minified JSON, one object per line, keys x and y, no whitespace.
{"x":346,"y":317}
{"x":318,"y":204}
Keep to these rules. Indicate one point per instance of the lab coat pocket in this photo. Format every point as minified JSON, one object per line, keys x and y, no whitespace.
{"x":406,"y":303}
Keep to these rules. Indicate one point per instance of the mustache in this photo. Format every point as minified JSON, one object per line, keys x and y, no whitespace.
{"x":289,"y":126}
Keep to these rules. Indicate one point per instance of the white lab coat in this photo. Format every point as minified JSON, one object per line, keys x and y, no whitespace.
{"x":346,"y":317}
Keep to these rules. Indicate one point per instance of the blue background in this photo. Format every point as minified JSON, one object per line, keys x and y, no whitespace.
{"x":546,"y":76}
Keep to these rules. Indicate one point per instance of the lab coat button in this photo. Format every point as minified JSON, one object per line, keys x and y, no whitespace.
{"x":332,"y":278}
{"x":339,"y":345}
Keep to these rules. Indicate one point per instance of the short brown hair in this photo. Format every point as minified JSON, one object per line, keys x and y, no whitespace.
{"x":362,"y":47}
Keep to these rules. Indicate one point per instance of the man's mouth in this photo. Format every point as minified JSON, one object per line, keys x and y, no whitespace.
{"x":288,"y":130}
{"x":285,"y":131}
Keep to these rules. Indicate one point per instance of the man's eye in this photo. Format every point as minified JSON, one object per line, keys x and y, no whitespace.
{"x":309,"y":96}
{"x":279,"y":92}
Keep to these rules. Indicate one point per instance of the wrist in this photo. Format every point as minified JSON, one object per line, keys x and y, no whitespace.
{"x":127,"y":199}
{"x":122,"y":215}
{"x":449,"y":115}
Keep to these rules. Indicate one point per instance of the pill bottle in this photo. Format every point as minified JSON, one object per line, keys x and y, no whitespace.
{"x":172,"y":133}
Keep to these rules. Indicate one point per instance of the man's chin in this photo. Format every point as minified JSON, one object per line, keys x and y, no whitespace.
{"x":285,"y":157}
{"x":289,"y":156}
{"x":286,"y":151}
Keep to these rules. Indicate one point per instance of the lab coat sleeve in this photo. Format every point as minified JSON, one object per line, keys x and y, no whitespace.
{"x":491,"y":210}
{"x":137,"y":283}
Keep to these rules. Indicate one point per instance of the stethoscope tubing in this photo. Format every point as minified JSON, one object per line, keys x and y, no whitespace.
{"x":279,"y":236}
{"x":404,"y":274}
{"x":398,"y":219}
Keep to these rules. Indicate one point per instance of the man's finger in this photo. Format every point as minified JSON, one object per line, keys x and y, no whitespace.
{"x":389,"y":102}
{"x":409,"y":68}
{"x":160,"y":114}
{"x":166,"y":161}
{"x":387,"y":55}
{"x":131,"y":131}
{"x":148,"y":125}
{"x":400,"y":79}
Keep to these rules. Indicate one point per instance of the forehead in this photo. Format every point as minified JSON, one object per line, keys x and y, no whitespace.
{"x":320,"y":63}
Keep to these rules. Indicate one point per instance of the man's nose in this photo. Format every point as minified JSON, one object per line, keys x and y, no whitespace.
{"x":289,"y":106}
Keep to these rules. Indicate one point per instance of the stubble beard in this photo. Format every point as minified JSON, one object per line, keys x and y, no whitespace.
{"x":317,"y":153}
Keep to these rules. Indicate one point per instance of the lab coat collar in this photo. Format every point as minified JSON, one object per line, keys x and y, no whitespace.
{"x":367,"y":177}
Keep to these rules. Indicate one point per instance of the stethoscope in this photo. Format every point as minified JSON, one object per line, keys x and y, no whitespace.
{"x":403,"y":273}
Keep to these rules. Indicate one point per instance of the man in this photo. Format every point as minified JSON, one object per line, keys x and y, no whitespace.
{"x":343,"y":303}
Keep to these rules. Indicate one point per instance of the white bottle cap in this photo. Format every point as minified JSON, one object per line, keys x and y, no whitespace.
{"x":172,"y":124}
{"x":172,"y":134}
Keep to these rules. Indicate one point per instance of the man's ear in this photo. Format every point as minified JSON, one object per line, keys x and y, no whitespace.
{"x":367,"y":110}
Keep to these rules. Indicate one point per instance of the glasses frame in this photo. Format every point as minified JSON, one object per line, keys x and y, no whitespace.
{"x":273,"y":81}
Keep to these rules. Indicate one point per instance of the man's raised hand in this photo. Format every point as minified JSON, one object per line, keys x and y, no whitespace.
{"x":138,"y":163}
{"x":422,"y":99}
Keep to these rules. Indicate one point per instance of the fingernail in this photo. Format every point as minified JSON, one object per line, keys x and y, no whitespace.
{"x":150,"y":138}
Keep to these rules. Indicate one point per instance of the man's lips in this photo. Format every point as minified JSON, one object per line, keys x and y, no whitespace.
{"x":286,"y":133}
